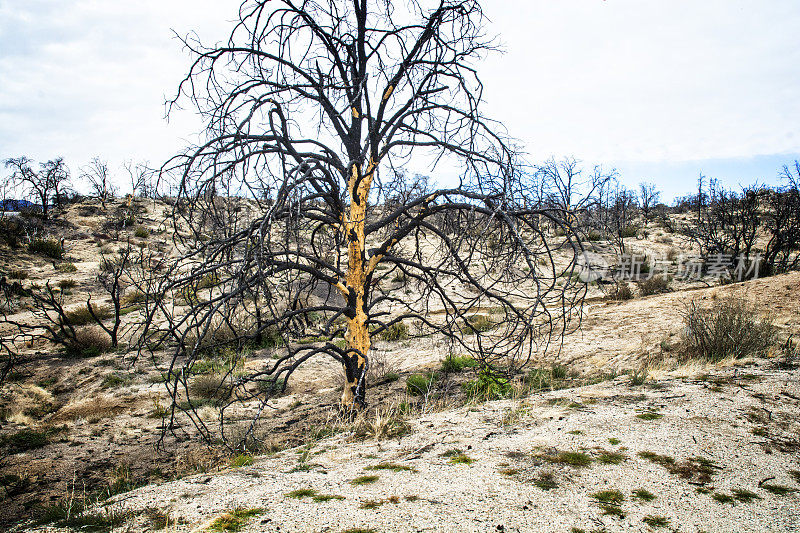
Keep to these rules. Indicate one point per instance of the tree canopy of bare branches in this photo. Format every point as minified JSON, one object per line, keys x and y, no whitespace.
{"x":46,"y":185}
{"x":290,"y":238}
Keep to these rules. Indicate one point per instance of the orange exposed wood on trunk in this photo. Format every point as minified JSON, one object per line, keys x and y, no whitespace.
{"x":357,"y":336}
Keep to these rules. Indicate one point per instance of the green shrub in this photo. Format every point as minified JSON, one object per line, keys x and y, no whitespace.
{"x":488,"y":387}
{"x":141,"y":232}
{"x":621,"y":291}
{"x":66,"y":268}
{"x":17,"y":274}
{"x":729,"y":328}
{"x":478,"y":324}
{"x":655,"y":285}
{"x":81,"y":316}
{"x":241,"y":460}
{"x":421,"y":384}
{"x":24,"y":440}
{"x":234,"y":520}
{"x":66,"y":284}
{"x":395,"y":332}
{"x":47,"y":247}
{"x":457,"y":363}
{"x":207,"y":386}
{"x":628,"y":232}
{"x":88,"y":342}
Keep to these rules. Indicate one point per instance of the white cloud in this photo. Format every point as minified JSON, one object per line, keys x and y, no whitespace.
{"x":614,"y":81}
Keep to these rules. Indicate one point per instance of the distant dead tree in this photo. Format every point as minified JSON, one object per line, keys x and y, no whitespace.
{"x":648,"y":198}
{"x":97,"y":175}
{"x":46,"y":185}
{"x":568,"y":187}
{"x":304,"y":103}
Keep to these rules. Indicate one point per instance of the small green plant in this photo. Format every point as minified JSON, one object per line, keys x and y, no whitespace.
{"x":656,"y":521}
{"x":47,"y":247}
{"x":299,"y":494}
{"x":66,"y":268}
{"x":477,"y":324}
{"x":643,"y":495}
{"x":545,"y":481}
{"x":611,"y":458}
{"x":394,"y":467}
{"x":461,"y":459}
{"x":421,"y":384}
{"x":82,"y":316}
{"x":67,"y":284}
{"x":24,"y":440}
{"x":614,"y":441}
{"x":779,"y":490}
{"x":326,"y":497}
{"x":649,"y":415}
{"x":621,"y":291}
{"x":655,"y":285}
{"x":576,"y":459}
{"x":488,"y":387}
{"x":241,"y":460}
{"x":234,"y":520}
{"x":141,"y":232}
{"x":744,"y":495}
{"x":114,"y":380}
{"x":395,"y":332}
{"x":457,"y":363}
{"x":17,"y":274}
{"x":609,"y":496}
{"x":364,"y":480}
{"x":721,"y":497}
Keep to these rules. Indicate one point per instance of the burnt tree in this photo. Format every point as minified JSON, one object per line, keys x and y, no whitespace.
{"x":291,"y":239}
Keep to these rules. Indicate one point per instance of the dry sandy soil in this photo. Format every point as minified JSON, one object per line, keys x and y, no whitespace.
{"x":738,"y":421}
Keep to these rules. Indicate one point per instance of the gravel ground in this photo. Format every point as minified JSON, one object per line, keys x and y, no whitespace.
{"x":512,"y":444}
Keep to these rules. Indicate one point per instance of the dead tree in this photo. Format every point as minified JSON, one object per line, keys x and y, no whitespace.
{"x":304,"y":103}
{"x":648,"y":198}
{"x":96,"y":173}
{"x":46,"y":185}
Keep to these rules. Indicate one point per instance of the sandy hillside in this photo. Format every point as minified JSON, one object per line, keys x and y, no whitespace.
{"x":692,"y":448}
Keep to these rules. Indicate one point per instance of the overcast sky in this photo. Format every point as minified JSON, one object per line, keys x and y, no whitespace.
{"x":662,"y":90}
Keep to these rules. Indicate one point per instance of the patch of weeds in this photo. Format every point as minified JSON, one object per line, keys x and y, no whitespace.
{"x":234,"y":520}
{"x":612,"y":510}
{"x":477,"y":324}
{"x":24,"y":440}
{"x":697,"y":469}
{"x":364,"y":480}
{"x":391,"y":377}
{"x":744,"y":495}
{"x":243,"y":459}
{"x":114,"y":380}
{"x":47,"y":247}
{"x":575,"y":432}
{"x":649,"y":415}
{"x":703,"y":490}
{"x":721,"y":497}
{"x":421,"y":384}
{"x":66,"y":268}
{"x":656,"y":521}
{"x":488,"y":387}
{"x":614,"y":496}
{"x":545,"y":481}
{"x":779,"y":490}
{"x":457,"y":363}
{"x":395,"y":332}
{"x":611,"y":458}
{"x":299,"y":494}
{"x":394,"y":467}
{"x":461,"y":459}
{"x":614,"y":441}
{"x":509,"y":472}
{"x":326,"y":497}
{"x":576,"y":459}
{"x":644,"y":495}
